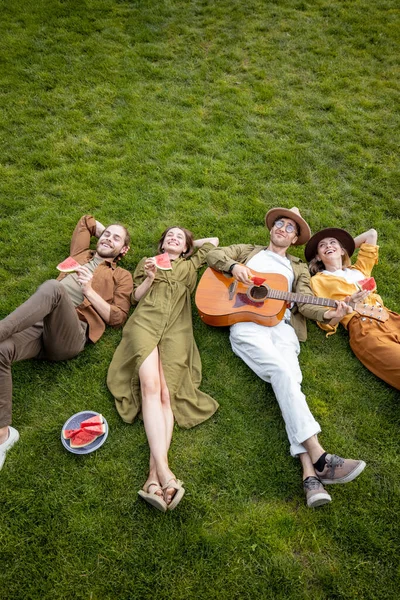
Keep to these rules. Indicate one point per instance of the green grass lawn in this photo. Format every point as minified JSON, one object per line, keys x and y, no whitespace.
{"x":205,"y":114}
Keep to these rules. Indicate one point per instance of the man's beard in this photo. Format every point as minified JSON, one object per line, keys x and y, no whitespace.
{"x":106,"y":251}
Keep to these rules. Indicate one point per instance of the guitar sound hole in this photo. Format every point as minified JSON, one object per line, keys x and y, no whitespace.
{"x":257,"y":293}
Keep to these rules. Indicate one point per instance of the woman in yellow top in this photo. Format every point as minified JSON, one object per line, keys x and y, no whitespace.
{"x":376,"y":343}
{"x":156,"y":369}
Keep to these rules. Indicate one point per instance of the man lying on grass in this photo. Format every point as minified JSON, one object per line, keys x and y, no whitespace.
{"x":62,"y":315}
{"x":271,"y":352}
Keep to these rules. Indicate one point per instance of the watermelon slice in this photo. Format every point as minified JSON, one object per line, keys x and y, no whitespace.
{"x":367,"y":284}
{"x":82,"y":439}
{"x":96,"y":420}
{"x":163,"y":262}
{"x":69,"y":433}
{"x":258,"y":281}
{"x":96,"y":429}
{"x":68,"y":265}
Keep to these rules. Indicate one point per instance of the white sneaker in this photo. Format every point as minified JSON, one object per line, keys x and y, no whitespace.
{"x":13,"y":437}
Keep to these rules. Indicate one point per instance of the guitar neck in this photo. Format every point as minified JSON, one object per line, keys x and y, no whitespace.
{"x":300,"y":298}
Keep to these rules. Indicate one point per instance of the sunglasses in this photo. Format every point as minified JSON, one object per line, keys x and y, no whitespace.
{"x":289,"y":228}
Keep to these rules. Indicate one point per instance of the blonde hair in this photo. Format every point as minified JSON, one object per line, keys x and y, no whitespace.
{"x":316,"y":265}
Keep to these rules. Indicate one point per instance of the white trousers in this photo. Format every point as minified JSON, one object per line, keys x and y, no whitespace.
{"x":271,"y":352}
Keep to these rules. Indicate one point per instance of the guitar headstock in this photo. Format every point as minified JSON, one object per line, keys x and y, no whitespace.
{"x":377,"y":312}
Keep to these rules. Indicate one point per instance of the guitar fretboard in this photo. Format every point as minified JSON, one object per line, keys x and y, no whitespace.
{"x":301,"y":298}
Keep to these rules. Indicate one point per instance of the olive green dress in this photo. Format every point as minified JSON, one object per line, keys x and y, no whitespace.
{"x":163,"y":318}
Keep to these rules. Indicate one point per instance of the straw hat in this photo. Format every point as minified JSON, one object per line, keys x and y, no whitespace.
{"x":294,"y":214}
{"x":341,"y":235}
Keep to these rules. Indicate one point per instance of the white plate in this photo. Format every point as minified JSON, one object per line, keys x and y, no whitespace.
{"x":74,"y":423}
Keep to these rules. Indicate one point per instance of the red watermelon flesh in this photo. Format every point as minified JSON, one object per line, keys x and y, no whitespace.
{"x":68,"y":265}
{"x":69,"y":433}
{"x":96,"y":429}
{"x":367,"y":284}
{"x":82,"y":439}
{"x":163,"y":262}
{"x":96,"y":420}
{"x":258,"y":281}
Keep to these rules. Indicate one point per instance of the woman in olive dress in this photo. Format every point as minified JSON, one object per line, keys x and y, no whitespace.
{"x":156,"y":369}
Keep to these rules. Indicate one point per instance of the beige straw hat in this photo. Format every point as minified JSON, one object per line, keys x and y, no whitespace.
{"x":294,"y":214}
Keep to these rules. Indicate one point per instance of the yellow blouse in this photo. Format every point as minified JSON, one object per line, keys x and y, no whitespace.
{"x":337,"y":288}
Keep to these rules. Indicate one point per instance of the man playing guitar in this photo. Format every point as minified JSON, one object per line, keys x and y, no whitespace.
{"x":272,"y":352}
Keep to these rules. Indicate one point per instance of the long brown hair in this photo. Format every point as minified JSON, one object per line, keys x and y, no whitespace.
{"x":188,"y":238}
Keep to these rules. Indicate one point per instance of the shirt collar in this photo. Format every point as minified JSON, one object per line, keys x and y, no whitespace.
{"x":113,"y":265}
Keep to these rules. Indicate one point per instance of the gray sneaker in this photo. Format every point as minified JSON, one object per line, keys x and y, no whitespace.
{"x":316,"y":495}
{"x":13,"y":437}
{"x":340,"y":470}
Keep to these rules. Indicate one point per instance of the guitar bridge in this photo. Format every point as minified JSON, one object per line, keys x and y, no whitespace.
{"x":232,"y":289}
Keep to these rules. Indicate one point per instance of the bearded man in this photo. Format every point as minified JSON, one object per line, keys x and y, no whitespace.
{"x":57,"y":321}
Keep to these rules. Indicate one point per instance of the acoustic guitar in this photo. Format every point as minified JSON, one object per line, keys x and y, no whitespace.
{"x":223,"y":301}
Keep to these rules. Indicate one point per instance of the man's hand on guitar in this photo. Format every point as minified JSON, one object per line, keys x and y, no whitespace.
{"x":345,"y":307}
{"x":342,"y":309}
{"x":242,"y":274}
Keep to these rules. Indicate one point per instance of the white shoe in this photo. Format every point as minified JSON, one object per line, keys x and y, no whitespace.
{"x":13,"y":437}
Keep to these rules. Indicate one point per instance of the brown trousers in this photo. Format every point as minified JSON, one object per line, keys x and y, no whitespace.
{"x":46,"y":326}
{"x":377,"y":346}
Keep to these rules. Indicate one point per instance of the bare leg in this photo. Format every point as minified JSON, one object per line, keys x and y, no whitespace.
{"x":157,"y":417}
{"x":152,"y":477}
{"x":306,"y":463}
{"x":3,"y":434}
{"x":314,"y":448}
{"x":169,"y":423}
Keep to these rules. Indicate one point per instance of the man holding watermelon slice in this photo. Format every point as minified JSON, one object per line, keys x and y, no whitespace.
{"x":57,"y":321}
{"x":272,"y":352}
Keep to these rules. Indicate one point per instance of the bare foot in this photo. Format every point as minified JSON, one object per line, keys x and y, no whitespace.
{"x":4,"y":433}
{"x":170,"y":492}
{"x":170,"y":489}
{"x":173,"y":493}
{"x":152,"y":487}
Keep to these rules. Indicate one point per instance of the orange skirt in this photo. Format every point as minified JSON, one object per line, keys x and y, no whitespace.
{"x":377,"y":346}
